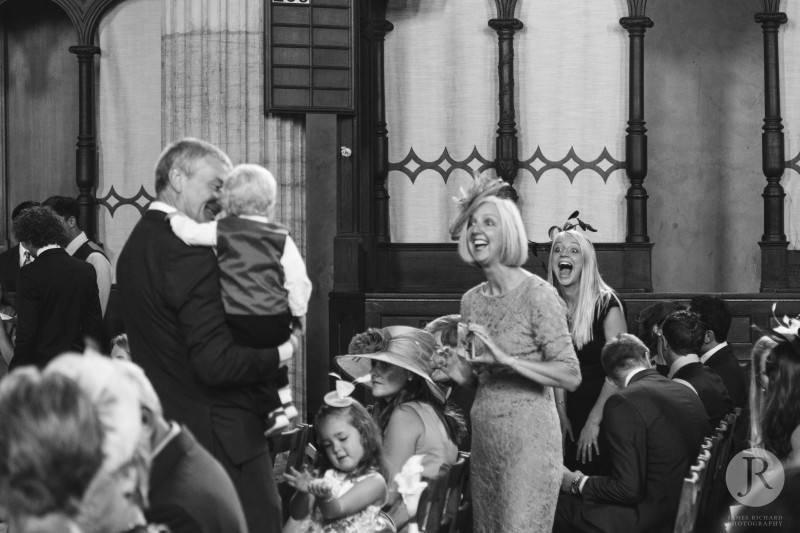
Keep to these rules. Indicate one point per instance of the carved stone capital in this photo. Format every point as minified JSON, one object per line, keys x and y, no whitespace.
{"x":84,"y":50}
{"x":500,"y":25}
{"x":381,"y":27}
{"x":771,"y":19}
{"x":634,"y":23}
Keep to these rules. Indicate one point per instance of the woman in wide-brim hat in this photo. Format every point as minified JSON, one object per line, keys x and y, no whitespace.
{"x":411,"y":410}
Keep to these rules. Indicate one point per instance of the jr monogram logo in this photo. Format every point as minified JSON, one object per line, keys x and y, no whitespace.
{"x":754,"y":477}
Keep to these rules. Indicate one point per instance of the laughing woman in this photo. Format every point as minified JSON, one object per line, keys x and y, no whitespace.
{"x":595,"y":316}
{"x":522,"y":349}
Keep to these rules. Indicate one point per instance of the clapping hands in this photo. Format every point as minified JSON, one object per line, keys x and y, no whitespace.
{"x":299,"y":480}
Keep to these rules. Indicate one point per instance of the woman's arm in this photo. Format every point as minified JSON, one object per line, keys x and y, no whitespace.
{"x":368,"y":491}
{"x":555,"y":373}
{"x":561,"y":408}
{"x":613,"y":325}
{"x":400,"y":443}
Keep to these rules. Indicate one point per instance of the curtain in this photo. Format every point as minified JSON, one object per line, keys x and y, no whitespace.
{"x":571,"y":100}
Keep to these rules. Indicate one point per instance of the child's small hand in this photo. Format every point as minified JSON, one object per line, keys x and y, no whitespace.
{"x":299,"y":481}
{"x":321,"y":489}
{"x":298,"y":325}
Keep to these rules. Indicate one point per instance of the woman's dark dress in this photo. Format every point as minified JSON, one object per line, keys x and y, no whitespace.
{"x":581,"y":402}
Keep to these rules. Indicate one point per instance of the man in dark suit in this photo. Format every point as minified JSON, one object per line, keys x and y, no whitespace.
{"x":172,"y":309}
{"x":12,"y":259}
{"x":654,"y":428}
{"x":716,"y":353}
{"x":682,"y":337}
{"x":57,"y":303}
{"x":190,"y":492}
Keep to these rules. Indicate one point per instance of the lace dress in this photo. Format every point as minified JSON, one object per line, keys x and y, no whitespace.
{"x":516,"y":438}
{"x":364,"y":520}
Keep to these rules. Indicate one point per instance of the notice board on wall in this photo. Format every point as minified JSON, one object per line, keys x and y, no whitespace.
{"x":310,"y":56}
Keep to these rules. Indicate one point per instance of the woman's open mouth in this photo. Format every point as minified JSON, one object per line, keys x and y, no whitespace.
{"x":564,"y":268}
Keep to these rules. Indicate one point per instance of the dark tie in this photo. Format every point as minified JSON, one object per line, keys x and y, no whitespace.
{"x":27,"y":259}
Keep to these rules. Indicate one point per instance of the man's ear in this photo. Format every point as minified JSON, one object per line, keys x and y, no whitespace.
{"x":709,"y":337}
{"x":176,"y":177}
{"x":71,"y":222}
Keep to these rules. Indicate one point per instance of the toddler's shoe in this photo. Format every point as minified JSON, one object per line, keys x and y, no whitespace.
{"x":276,"y":422}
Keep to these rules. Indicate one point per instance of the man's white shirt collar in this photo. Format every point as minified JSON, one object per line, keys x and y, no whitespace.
{"x":633,"y":373}
{"x":706,"y":356}
{"x":682,"y":362}
{"x":76,"y":243}
{"x":161,"y":206}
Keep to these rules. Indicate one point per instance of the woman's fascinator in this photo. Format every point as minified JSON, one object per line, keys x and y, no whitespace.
{"x":788,"y":329}
{"x":340,"y":397}
{"x":403,"y":346}
{"x":482,"y":187}
{"x":568,"y":225}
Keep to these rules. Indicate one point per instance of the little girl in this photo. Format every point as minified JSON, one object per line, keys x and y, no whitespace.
{"x":349,"y":496}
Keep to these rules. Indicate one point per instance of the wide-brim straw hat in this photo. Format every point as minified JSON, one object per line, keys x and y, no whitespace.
{"x":403,"y":346}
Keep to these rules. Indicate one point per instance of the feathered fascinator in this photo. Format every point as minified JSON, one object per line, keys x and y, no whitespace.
{"x":482,"y":187}
{"x":569,"y":224}
{"x":788,"y":329}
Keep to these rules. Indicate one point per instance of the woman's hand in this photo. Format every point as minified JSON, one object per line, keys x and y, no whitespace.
{"x":446,"y":362}
{"x":299,"y":481}
{"x":492,"y":355}
{"x":587,"y":441}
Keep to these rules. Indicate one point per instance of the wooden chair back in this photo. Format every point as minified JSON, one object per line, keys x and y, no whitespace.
{"x":693,"y":488}
{"x":720,"y":498}
{"x":706,"y":485}
{"x":288,"y":449}
{"x":440,"y":502}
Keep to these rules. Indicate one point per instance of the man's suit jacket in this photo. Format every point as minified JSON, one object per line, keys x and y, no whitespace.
{"x":725,"y":364}
{"x":57,"y":307}
{"x":710,"y":388}
{"x":190,"y":491}
{"x":9,"y":272}
{"x":654,"y":429}
{"x":172,"y":310}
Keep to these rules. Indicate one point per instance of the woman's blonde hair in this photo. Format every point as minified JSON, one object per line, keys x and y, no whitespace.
{"x":514,"y":248}
{"x":593,"y":292}
{"x":249,"y":190}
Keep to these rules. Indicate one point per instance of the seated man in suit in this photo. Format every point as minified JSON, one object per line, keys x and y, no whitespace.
{"x":57,"y":303}
{"x":715,"y":352}
{"x":654,"y":428}
{"x":682,"y":336}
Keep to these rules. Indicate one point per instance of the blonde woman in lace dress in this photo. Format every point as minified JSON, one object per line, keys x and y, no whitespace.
{"x":522,"y":349}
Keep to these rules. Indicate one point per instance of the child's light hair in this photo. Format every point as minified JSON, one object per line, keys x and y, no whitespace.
{"x":371,"y":440}
{"x":249,"y":190}
{"x":514,"y":248}
{"x":593,"y":293}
